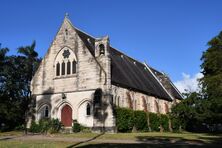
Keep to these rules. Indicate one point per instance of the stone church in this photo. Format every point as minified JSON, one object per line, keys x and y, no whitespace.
{"x":84,"y":78}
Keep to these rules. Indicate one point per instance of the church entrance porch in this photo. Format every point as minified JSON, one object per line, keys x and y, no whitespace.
{"x":66,"y":116}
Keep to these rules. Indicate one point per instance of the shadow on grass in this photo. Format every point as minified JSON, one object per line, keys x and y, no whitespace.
{"x":85,"y":141}
{"x":143,"y":145}
{"x":6,"y":138}
{"x":160,"y":142}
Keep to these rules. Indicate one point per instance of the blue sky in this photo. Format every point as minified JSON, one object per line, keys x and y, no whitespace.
{"x":169,"y":34}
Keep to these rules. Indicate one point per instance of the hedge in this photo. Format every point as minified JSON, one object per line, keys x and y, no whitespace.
{"x":164,"y":121}
{"x":154,"y":122}
{"x":140,"y":120}
{"x":126,"y":119}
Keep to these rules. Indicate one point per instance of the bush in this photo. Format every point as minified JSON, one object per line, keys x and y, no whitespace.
{"x":85,"y":129}
{"x":140,"y":120}
{"x":164,"y":121}
{"x":45,"y":125}
{"x":76,"y":126}
{"x":175,"y":124}
{"x":154,"y":122}
{"x":124,"y":119}
{"x":55,"y":125}
{"x":34,"y":128}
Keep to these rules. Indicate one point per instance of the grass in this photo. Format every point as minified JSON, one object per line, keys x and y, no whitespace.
{"x":11,"y":133}
{"x":34,"y":144}
{"x":136,"y":136}
{"x":172,"y":140}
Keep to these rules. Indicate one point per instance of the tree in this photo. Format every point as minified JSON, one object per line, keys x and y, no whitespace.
{"x":15,"y":76}
{"x":31,"y":64}
{"x":212,"y":80}
{"x":205,"y":108}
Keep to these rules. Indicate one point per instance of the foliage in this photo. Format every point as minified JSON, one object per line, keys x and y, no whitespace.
{"x":15,"y":76}
{"x":34,"y":128}
{"x":127,"y":118}
{"x":140,"y":120}
{"x":212,"y":80}
{"x":55,"y":126}
{"x":76,"y":127}
{"x":124,"y":119}
{"x":164,"y":121}
{"x":201,"y":111}
{"x":45,"y":126}
{"x":176,"y":124}
{"x":154,"y":122}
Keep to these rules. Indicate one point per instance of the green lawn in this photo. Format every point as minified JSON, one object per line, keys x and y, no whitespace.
{"x":172,"y":140}
{"x":34,"y":144}
{"x":142,"y":136}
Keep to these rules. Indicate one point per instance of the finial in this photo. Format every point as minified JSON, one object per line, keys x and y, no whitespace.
{"x":66,"y":15}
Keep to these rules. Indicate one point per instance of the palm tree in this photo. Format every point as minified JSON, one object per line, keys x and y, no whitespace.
{"x":32,"y":58}
{"x":31,"y":62}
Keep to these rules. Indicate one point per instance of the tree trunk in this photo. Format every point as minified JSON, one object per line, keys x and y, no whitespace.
{"x":148,"y":121}
{"x":170,"y":124}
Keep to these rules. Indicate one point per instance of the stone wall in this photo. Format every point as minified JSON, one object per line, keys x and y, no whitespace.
{"x":121,"y":99}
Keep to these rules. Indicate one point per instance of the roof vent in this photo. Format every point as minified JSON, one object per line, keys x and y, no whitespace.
{"x":134,"y":63}
{"x":122,"y":56}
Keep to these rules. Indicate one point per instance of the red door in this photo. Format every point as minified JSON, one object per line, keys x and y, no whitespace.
{"x":66,"y":116}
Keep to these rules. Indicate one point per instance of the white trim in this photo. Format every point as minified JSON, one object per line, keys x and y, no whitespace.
{"x":176,"y":89}
{"x":158,"y":81}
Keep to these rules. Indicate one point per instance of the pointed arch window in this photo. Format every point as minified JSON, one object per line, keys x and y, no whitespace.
{"x":88,"y":109}
{"x":57,"y":69}
{"x":73,"y":67}
{"x":46,"y":112}
{"x":68,"y":67}
{"x":63,"y":68}
{"x":97,"y":98}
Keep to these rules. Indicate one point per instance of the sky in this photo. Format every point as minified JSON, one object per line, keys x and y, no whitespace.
{"x":170,"y":35}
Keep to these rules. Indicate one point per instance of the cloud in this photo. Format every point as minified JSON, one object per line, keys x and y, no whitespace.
{"x":189,"y":83}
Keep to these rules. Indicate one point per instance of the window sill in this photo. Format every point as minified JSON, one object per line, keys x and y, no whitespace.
{"x":65,"y":76}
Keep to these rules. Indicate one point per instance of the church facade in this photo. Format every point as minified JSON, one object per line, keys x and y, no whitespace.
{"x":84,"y":78}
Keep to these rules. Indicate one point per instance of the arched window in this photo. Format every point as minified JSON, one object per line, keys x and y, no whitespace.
{"x":88,"y":109}
{"x":101,"y":49}
{"x":68,"y":67}
{"x":63,"y":68}
{"x":57,"y":69}
{"x":46,"y":112}
{"x":97,"y":98}
{"x":65,"y":62}
{"x":73,"y":67}
{"x":66,"y":32}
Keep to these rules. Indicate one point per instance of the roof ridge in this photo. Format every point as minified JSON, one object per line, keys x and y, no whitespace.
{"x":127,"y":55}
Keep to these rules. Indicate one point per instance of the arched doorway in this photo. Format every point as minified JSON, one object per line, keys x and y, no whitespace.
{"x":66,"y":116}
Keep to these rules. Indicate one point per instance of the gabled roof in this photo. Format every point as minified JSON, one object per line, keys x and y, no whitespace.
{"x":132,"y":74}
{"x":127,"y":72}
{"x":167,"y":83}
